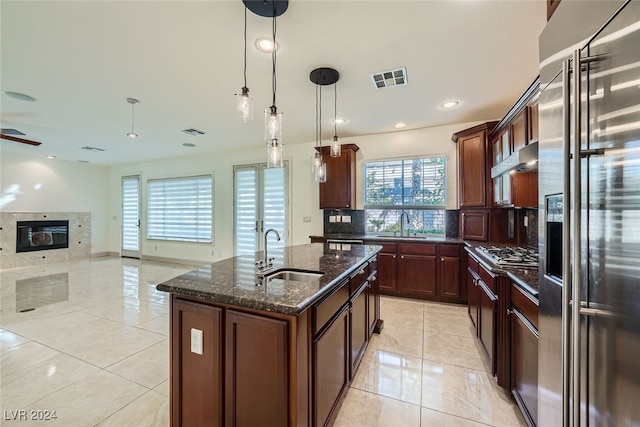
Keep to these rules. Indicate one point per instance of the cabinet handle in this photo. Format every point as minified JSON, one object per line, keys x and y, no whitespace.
{"x":464,"y":214}
{"x":509,"y":312}
{"x":394,"y":257}
{"x":401,"y":256}
{"x":373,"y":279}
{"x":441,"y":259}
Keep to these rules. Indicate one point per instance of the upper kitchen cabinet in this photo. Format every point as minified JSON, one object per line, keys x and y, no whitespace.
{"x":474,"y":154}
{"x":339,"y":191}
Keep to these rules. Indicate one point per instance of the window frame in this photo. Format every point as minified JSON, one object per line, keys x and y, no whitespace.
{"x":149,"y":209}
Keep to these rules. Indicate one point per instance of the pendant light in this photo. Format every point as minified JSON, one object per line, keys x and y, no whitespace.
{"x":133,"y":102}
{"x":244,"y":101}
{"x":321,"y":77}
{"x":336,"y":147}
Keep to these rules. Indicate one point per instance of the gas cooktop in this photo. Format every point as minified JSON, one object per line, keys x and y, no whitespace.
{"x":510,"y":256}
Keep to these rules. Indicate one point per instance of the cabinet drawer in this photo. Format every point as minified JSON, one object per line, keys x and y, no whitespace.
{"x":329,"y":306}
{"x":417,"y":248}
{"x":358,"y":278}
{"x":488,"y":278}
{"x":373,"y":265}
{"x":387,"y":248}
{"x":473,"y":265}
{"x":524,"y":305}
{"x":449,"y":250}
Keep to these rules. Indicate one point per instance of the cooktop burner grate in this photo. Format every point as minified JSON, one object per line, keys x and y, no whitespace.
{"x":510,"y":256}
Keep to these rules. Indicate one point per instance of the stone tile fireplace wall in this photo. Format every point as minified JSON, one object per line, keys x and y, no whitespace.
{"x":79,"y":239}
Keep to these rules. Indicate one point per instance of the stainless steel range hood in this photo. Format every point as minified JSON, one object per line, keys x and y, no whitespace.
{"x":523,"y":160}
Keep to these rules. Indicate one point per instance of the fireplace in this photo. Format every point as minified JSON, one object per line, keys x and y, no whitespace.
{"x":41,"y":235}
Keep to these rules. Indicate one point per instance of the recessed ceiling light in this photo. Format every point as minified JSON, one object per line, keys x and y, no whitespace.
{"x":188,"y":144}
{"x":340,"y":120}
{"x":450,"y":104}
{"x":18,"y":95}
{"x":265,"y":44}
{"x":49,"y":156}
{"x":399,"y":125}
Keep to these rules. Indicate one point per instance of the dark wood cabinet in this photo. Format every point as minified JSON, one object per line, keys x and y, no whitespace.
{"x":472,"y":296}
{"x":475,"y":224}
{"x":330,"y":368}
{"x":551,"y":7}
{"x":417,"y":269}
{"x":524,"y":353}
{"x":525,"y":189}
{"x":449,"y":277}
{"x":519,"y":130}
{"x":358,"y":328}
{"x":487,"y":308}
{"x":196,"y":386}
{"x":387,"y":266}
{"x":339,"y":191}
{"x":256,"y":370}
{"x":534,"y":132}
{"x":472,"y":152}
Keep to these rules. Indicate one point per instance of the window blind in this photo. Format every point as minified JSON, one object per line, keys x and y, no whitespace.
{"x":130,"y":214}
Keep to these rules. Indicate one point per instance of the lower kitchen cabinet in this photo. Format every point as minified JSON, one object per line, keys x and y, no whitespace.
{"x":358,"y":328}
{"x":417,"y":270}
{"x":524,"y":354}
{"x":330,"y":368}
{"x":387,"y":266}
{"x":472,"y":296}
{"x":487,"y":310}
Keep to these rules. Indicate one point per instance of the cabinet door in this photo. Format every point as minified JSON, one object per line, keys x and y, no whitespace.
{"x":519,"y":130}
{"x":256,"y":371}
{"x":533,"y":123}
{"x":373,"y":303}
{"x":417,"y":275}
{"x":473,"y":170}
{"x":475,"y":225}
{"x":387,"y":272}
{"x":358,"y":327}
{"x":339,"y":191}
{"x":524,"y":365}
{"x":449,"y":277}
{"x":330,"y":369}
{"x":196,"y":386}
{"x":472,"y":298}
{"x":487,"y":305}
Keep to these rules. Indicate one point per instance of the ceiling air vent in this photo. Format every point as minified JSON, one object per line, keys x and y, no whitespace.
{"x":11,"y":132}
{"x":390,"y":78}
{"x":193,"y":132}
{"x":88,"y":148}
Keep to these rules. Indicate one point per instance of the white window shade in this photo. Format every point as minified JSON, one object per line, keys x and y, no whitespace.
{"x":130,"y":214}
{"x":180,"y":209}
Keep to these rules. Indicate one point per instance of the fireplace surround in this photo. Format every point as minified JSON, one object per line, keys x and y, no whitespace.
{"x":41,"y":235}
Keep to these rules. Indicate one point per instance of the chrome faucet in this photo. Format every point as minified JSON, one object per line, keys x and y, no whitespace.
{"x":266,"y":263}
{"x":403,"y":215}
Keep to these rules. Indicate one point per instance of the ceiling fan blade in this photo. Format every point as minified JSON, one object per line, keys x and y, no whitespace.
{"x":22,"y":140}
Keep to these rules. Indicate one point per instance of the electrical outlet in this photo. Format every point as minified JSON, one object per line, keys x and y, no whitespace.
{"x":346,"y":218}
{"x":526,"y":221}
{"x":332,"y":218}
{"x":196,"y":341}
{"x":306,"y":219}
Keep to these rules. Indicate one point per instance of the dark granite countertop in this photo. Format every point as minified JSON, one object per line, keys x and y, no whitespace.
{"x":375,"y":237}
{"x":233,"y":280}
{"x":525,"y":277}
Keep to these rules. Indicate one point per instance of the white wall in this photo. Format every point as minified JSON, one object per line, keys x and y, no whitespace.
{"x":51,"y":185}
{"x":303,"y":191}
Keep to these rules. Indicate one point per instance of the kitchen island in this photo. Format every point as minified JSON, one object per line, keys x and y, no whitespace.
{"x":247,"y":351}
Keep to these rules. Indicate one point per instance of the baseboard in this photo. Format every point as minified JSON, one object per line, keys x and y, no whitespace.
{"x":104,"y":254}
{"x":175,"y":260}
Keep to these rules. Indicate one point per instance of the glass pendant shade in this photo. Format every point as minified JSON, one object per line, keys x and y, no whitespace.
{"x":272,"y":124}
{"x":316,"y":161}
{"x":336,"y":148}
{"x":274,"y":154}
{"x":321,"y":173}
{"x":244,"y":110}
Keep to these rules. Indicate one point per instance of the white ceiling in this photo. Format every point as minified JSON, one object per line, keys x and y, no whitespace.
{"x":183,"y":61}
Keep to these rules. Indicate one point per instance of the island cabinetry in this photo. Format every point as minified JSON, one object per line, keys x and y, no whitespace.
{"x":339,"y":191}
{"x":524,"y":352}
{"x":196,"y":385}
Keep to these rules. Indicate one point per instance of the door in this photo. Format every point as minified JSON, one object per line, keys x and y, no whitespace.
{"x":610,"y":236}
{"x":130,"y":216}
{"x":260,"y":202}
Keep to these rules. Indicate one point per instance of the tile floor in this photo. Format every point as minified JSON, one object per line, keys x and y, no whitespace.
{"x":95,"y":351}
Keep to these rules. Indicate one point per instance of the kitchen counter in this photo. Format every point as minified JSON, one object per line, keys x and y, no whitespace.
{"x":375,"y":237}
{"x":525,"y":277}
{"x":234,"y":281}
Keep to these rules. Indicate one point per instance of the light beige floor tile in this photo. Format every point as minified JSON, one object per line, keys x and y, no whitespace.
{"x":164,"y":388}
{"x":149,"y":368}
{"x":391,"y":375}
{"x":8,"y":340}
{"x":131,"y":311}
{"x":466,"y":393}
{"x":399,"y":316}
{"x":455,"y":350}
{"x":159,"y":325}
{"x":51,"y":330}
{"x":387,"y":302}
{"x":151,"y":409}
{"x":431,"y":418}
{"x":449,"y":324}
{"x":36,"y":381}
{"x":398,"y":340}
{"x":21,"y":358}
{"x":105,"y":342}
{"x":367,"y":409}
{"x":88,"y":401}
{"x":444,"y":308}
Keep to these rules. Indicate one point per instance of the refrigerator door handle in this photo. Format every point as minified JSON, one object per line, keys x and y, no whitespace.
{"x":593,"y":310}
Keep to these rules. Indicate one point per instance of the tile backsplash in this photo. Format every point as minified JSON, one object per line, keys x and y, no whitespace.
{"x":452,"y":223}
{"x":344,"y":222}
{"x":528,"y":234}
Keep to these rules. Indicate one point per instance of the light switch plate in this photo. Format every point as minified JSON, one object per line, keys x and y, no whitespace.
{"x":306,"y":219}
{"x":332,"y":218}
{"x":196,"y":341}
{"x":346,"y":218}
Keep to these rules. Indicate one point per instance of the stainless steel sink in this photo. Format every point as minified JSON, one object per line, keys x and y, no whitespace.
{"x":295,"y":275}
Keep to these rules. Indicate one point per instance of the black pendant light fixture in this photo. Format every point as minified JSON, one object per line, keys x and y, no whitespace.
{"x":336,"y":147}
{"x":320,"y":77}
{"x":133,"y":133}
{"x":244,"y":101}
{"x":273,"y":118}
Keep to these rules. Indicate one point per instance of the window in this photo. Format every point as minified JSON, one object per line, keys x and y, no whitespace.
{"x":180,"y":209}
{"x":415,"y":186}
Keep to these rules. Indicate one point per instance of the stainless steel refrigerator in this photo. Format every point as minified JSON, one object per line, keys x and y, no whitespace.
{"x":589,"y":171}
